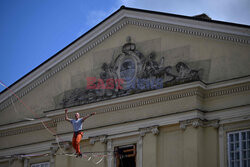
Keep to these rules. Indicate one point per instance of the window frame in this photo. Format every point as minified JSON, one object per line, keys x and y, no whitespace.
{"x":129,"y":140}
{"x":42,"y":163}
{"x":240,"y":146}
{"x":127,"y":145}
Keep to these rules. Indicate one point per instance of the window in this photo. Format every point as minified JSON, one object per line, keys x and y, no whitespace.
{"x":44,"y":164}
{"x":125,"y":156}
{"x":239,"y":149}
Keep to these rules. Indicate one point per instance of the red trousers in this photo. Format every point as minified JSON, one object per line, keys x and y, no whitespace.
{"x":76,"y":141}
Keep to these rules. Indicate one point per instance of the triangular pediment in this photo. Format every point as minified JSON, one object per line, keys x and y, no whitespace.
{"x":101,"y":45}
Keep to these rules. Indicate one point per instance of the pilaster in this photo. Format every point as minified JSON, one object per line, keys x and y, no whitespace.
{"x":200,"y":142}
{"x":148,"y":137}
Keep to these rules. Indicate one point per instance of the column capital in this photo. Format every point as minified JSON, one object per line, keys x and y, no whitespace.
{"x":101,"y":138}
{"x":153,"y":129}
{"x":197,"y":122}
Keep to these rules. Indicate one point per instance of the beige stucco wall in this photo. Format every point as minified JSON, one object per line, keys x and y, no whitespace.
{"x":26,"y":138}
{"x":187,"y":148}
{"x":150,"y":152}
{"x":4,"y":164}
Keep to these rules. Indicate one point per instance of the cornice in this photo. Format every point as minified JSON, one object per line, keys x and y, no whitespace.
{"x":186,"y":22}
{"x":22,"y":124}
{"x":119,"y":21}
{"x":134,"y":100}
{"x":136,"y":103}
{"x":227,"y":90}
{"x":162,"y":95}
{"x":206,"y":33}
{"x":27,"y":149}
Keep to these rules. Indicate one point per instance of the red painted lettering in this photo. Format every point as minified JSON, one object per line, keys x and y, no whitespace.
{"x":91,"y":82}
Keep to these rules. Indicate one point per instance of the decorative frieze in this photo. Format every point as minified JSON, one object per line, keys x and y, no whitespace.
{"x":124,"y":106}
{"x":153,"y":100}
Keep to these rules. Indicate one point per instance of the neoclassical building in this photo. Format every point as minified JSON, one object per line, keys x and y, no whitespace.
{"x":168,"y":90}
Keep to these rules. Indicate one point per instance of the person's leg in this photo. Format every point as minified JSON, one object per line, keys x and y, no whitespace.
{"x":78,"y":140}
{"x":74,"y":142}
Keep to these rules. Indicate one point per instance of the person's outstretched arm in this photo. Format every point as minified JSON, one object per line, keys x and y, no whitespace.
{"x":66,"y":115}
{"x":89,"y":115}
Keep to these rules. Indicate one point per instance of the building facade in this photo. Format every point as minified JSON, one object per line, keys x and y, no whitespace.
{"x":168,"y":90}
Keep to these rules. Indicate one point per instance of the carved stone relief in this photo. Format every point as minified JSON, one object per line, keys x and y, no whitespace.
{"x":131,"y":72}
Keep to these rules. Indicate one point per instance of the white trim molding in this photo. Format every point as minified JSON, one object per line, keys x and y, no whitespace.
{"x":38,"y":148}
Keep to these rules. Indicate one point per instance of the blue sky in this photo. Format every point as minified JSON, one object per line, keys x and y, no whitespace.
{"x":31,"y":31}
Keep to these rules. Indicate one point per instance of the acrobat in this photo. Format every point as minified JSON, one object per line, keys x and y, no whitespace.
{"x":78,"y":133}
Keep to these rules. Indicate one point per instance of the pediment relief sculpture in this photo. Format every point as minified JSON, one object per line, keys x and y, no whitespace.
{"x":129,"y":73}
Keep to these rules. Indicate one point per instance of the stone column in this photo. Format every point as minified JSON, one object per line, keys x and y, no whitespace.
{"x":110,"y":158}
{"x":221,"y":147}
{"x":52,"y":160}
{"x":26,"y":162}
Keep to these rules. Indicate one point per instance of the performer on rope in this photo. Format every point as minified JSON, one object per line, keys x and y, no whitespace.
{"x":77,"y":126}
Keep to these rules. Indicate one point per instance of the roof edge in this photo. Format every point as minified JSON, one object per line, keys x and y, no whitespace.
{"x":186,"y":17}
